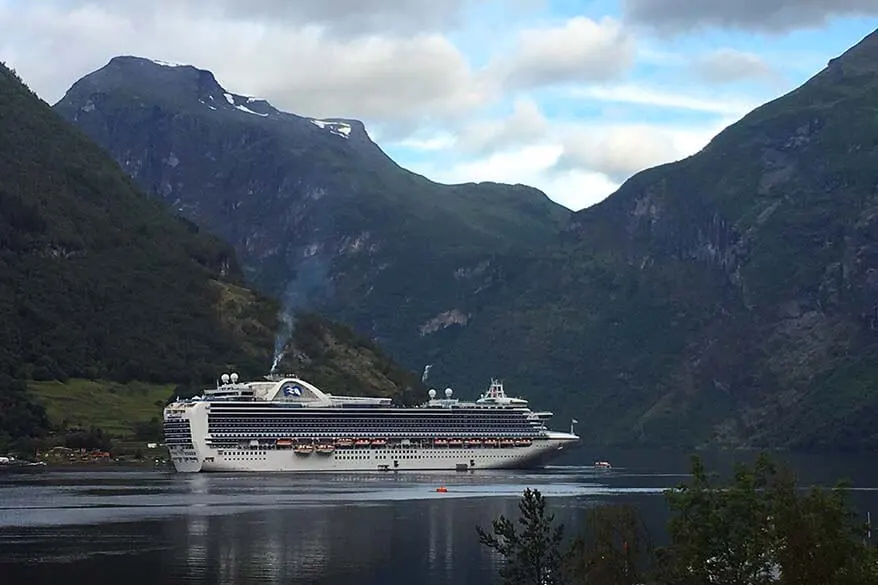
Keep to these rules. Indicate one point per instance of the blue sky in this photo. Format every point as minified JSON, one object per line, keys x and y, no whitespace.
{"x":669,"y":92}
{"x":571,"y":97}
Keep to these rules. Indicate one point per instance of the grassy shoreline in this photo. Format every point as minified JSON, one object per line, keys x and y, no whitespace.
{"x":115,"y":408}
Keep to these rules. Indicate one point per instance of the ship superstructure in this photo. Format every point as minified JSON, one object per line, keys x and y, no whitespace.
{"x":284,"y":423}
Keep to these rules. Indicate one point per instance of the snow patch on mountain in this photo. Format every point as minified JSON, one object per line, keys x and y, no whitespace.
{"x":342,"y":129}
{"x":167,"y":63}
{"x":249,"y":111}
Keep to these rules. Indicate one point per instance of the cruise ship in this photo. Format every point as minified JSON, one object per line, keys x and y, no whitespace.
{"x":285,"y":423}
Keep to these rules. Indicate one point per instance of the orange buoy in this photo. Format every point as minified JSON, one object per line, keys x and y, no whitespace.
{"x":441,"y":489}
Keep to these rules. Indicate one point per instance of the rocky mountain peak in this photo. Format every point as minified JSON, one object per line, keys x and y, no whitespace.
{"x":130,"y":73}
{"x":185,"y":87}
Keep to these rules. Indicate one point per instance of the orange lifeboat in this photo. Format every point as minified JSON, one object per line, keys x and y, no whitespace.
{"x":442,"y":489}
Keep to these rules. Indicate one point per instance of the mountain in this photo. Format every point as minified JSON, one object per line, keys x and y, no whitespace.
{"x":725,"y":299}
{"x":320,"y":216}
{"x":333,"y":356}
{"x":100,"y":281}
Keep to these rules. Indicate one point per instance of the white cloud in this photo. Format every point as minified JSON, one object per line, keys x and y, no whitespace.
{"x":578,"y":165}
{"x":437,"y":142}
{"x":392,"y":65}
{"x":348,"y":18}
{"x":581,"y":50}
{"x":730,"y":66}
{"x":647,"y":96}
{"x":619,"y":151}
{"x":676,"y":16}
{"x":525,"y":124}
{"x":576,"y":189}
{"x":403,"y":80}
{"x":529,"y":165}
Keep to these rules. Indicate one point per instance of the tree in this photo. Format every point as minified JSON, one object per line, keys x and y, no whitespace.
{"x":532,"y":555}
{"x":614,"y":549}
{"x":819,"y":540}
{"x":761,"y":529}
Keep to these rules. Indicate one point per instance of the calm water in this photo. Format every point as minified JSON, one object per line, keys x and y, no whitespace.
{"x":153,"y":526}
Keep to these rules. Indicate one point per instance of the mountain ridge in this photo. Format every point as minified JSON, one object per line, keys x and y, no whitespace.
{"x":721,"y":300}
{"x":755,"y":255}
{"x":324,"y":222}
{"x":99,"y":281}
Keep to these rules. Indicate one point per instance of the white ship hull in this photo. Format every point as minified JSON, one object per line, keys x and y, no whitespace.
{"x":291,"y":426}
{"x":389,"y":458}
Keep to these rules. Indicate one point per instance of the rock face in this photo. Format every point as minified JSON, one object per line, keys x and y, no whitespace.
{"x":729,"y":299}
{"x":318,"y":214}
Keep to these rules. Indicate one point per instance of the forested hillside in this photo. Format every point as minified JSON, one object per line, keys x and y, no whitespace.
{"x":99,"y":281}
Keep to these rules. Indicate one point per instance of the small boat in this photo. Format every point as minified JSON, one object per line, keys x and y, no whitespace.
{"x":455,"y":443}
{"x":440,"y":442}
{"x":474,"y":442}
{"x":325,"y":449}
{"x":304,"y":449}
{"x":490,"y":442}
{"x":442,"y":489}
{"x":379,"y":443}
{"x":284,"y":442}
{"x":344,"y":442}
{"x":361,"y":442}
{"x":603,"y":465}
{"x":507,"y":443}
{"x":523,"y":442}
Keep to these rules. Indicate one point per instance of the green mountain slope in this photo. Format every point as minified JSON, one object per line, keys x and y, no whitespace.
{"x":729,"y":298}
{"x":96,"y":279}
{"x":337,"y":359}
{"x":726,"y":299}
{"x":318,"y":214}
{"x":99,"y":281}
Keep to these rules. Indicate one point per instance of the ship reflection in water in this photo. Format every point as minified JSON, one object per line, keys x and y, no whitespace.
{"x":391,"y":541}
{"x":138,"y":527}
{"x":162,"y":528}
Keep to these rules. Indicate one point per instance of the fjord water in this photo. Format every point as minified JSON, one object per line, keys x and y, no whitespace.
{"x":141,"y":526}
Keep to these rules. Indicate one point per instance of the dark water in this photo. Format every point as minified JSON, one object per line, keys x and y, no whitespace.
{"x":148,"y":526}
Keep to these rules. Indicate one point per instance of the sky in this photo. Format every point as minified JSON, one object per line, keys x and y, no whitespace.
{"x":571,"y":97}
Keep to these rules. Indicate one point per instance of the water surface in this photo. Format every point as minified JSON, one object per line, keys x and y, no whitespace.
{"x":141,"y":526}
